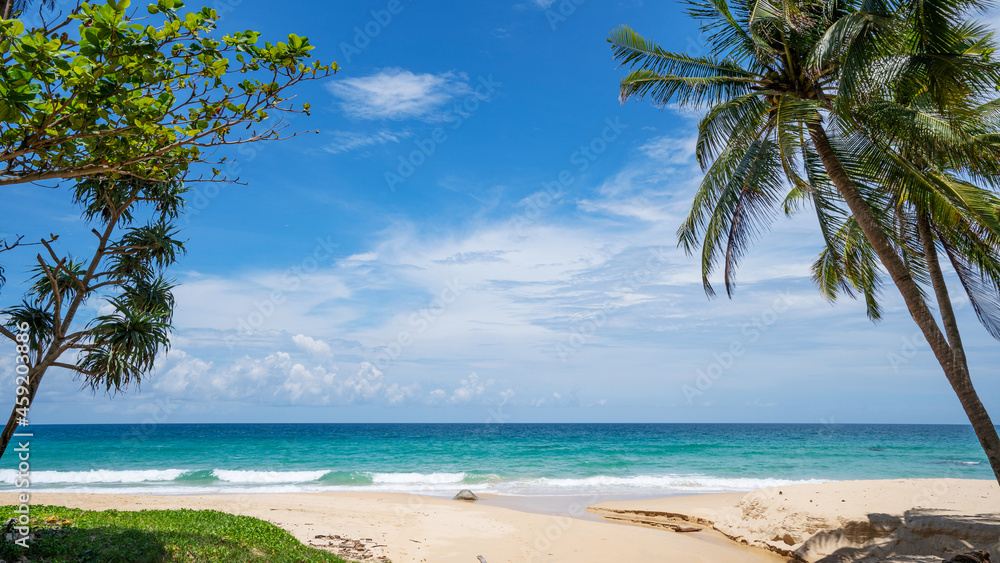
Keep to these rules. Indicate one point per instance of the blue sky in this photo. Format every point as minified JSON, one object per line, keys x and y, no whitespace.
{"x":480,"y":232}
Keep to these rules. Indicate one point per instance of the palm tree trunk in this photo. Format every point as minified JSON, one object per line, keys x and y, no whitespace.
{"x":34,"y":379}
{"x":954,"y":365}
{"x":961,"y":379}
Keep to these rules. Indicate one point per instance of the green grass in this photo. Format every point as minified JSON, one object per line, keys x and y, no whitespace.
{"x":156,"y":536}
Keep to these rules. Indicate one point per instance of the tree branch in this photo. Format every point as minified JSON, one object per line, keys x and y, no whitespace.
{"x":70,"y":367}
{"x":8,"y":334}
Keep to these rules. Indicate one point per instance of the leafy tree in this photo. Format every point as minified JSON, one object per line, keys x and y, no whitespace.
{"x":123,"y":109}
{"x":122,"y":99}
{"x":872,"y":114}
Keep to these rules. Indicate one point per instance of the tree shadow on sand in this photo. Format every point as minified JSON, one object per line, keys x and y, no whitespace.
{"x":920,"y":535}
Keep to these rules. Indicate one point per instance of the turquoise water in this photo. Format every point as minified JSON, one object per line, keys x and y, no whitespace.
{"x":517,"y":459}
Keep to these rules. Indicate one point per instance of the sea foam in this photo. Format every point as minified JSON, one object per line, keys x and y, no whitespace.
{"x":262,"y":477}
{"x":96,"y":476}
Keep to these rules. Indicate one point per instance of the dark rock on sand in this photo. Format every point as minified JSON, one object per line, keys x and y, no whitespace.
{"x":465,"y":494}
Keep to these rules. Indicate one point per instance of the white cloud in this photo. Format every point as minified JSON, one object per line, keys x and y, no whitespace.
{"x":394,"y":93}
{"x":314,"y":383}
{"x":655,"y":189}
{"x":274,"y":378}
{"x":363,"y":257}
{"x":695,"y":112}
{"x":258,"y":301}
{"x":185,"y":370}
{"x":364,"y":385}
{"x":506,"y":396}
{"x":311,"y":345}
{"x":678,"y":151}
{"x":248,"y":376}
{"x":469,"y":389}
{"x":278,"y":378}
{"x":396,"y":394}
{"x":346,"y":141}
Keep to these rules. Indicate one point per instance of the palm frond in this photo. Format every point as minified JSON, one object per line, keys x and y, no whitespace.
{"x":67,"y":276}
{"x":736,"y":121}
{"x":726,"y":37}
{"x":845,"y":32}
{"x":40,"y":321}
{"x":742,"y":206}
{"x":790,"y":119}
{"x":684,"y":91}
{"x":630,"y":49}
{"x":154,"y":243}
{"x":124,"y":347}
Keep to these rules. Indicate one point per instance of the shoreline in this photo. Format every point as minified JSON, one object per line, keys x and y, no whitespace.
{"x":892,"y":520}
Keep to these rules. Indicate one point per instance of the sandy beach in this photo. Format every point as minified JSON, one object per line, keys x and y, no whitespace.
{"x":901,"y":520}
{"x":428,"y":529}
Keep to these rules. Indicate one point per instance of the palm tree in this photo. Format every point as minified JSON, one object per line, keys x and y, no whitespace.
{"x":871,"y":113}
{"x":111,"y":352}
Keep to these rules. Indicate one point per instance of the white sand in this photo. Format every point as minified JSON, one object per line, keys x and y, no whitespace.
{"x":899,"y":520}
{"x":426,"y":529}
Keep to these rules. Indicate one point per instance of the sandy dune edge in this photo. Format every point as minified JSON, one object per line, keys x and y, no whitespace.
{"x":417,"y":529}
{"x":898,"y":520}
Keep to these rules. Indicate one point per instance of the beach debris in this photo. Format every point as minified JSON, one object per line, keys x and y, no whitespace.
{"x":465,"y":494}
{"x":481,"y":559}
{"x":364,"y":549}
{"x":971,"y":557}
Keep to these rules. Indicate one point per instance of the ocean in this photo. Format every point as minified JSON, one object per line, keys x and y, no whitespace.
{"x":505,"y":459}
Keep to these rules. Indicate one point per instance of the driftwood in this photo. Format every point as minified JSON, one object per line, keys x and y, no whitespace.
{"x":971,"y":557}
{"x":654,"y":524}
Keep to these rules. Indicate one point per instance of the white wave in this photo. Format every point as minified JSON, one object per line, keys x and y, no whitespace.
{"x":189,"y":489}
{"x":640,"y":483}
{"x":261,"y":477}
{"x":442,"y":484}
{"x":95,"y":476}
{"x":417,"y":478}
